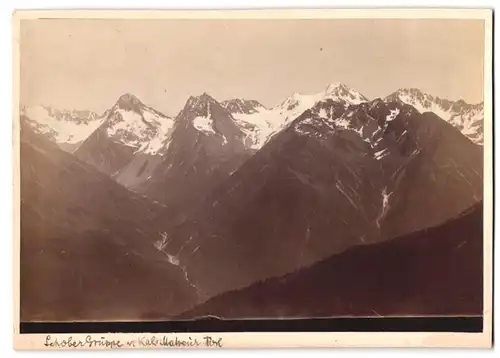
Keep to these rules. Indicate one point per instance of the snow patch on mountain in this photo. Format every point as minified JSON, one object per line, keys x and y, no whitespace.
{"x":394,"y":113}
{"x":64,"y":126}
{"x":204,"y":124}
{"x":381,"y":153}
{"x":427,"y":105}
{"x":239,"y":105}
{"x":323,"y":113}
{"x":260,"y":126}
{"x":126,"y":122}
{"x":140,"y":127}
{"x":385,"y":206}
{"x":173,"y":259}
{"x":339,"y":91}
{"x":342,"y":123}
{"x":468,"y":118}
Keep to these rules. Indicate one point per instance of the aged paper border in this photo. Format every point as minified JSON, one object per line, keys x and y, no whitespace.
{"x":294,"y":339}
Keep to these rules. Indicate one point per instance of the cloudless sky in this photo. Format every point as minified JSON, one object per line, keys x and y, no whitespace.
{"x":88,"y":64}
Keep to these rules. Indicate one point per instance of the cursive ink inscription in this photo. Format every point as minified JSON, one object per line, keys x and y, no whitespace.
{"x":213,"y":342}
{"x":141,"y":342}
{"x":88,"y":342}
{"x":165,"y":341}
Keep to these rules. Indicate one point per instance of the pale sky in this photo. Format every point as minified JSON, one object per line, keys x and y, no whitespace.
{"x":88,"y":64}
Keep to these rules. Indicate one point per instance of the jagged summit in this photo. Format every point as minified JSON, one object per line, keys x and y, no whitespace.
{"x":199,"y":102}
{"x":336,"y":87}
{"x":241,"y":105}
{"x":336,"y":91}
{"x":409,"y":89}
{"x":130,"y":133}
{"x":418,"y":94}
{"x":128,"y":97}
{"x":129,"y":102}
{"x":339,"y":90}
{"x":377,"y":101}
{"x":468,"y":118}
{"x":204,"y":97}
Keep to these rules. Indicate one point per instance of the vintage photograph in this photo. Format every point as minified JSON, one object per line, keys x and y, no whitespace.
{"x":251,"y":168}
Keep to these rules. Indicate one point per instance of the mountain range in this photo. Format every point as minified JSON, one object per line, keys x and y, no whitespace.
{"x":227,"y":194}
{"x":325,"y":184}
{"x":69,"y":128}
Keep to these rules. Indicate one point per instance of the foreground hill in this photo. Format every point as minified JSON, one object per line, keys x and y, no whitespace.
{"x":437,"y":271}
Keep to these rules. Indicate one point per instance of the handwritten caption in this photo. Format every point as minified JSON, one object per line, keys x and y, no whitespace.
{"x":140,"y":342}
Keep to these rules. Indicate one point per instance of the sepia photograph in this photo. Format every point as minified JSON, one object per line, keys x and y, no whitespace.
{"x":231,"y":169}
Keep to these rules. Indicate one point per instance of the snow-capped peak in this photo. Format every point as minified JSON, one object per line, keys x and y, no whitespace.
{"x":334,"y":91}
{"x":240,"y":105}
{"x":199,"y":105}
{"x":339,"y":91}
{"x":129,"y":102}
{"x":263,"y":123}
{"x":65,"y":127}
{"x":297,"y":103}
{"x":195,"y":101}
{"x":130,"y":122}
{"x":335,"y":86}
{"x":468,"y":118}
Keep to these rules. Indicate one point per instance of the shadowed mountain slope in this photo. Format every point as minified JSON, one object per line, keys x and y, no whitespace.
{"x":437,"y":271}
{"x":88,"y":244}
